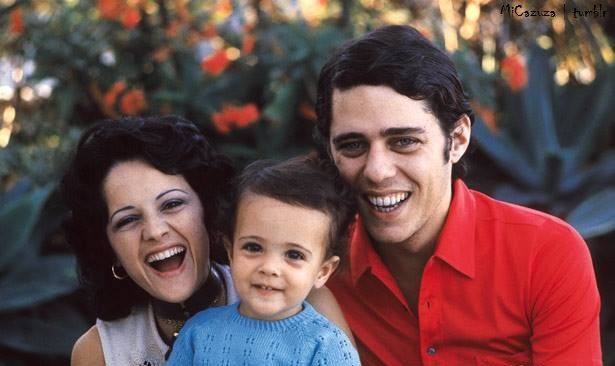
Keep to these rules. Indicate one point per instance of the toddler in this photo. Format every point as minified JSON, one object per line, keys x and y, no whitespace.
{"x":288,"y":236}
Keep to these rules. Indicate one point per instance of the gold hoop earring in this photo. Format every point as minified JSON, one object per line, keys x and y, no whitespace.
{"x":115,"y":270}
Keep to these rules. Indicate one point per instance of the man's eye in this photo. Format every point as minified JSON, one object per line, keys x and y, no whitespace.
{"x":252,"y":247}
{"x":295,"y":255}
{"x":351,"y":148}
{"x":404,"y":142}
{"x":351,"y":145}
{"x":170,"y":204}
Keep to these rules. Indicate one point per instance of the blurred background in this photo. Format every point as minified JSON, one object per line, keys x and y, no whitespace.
{"x":245,"y":71}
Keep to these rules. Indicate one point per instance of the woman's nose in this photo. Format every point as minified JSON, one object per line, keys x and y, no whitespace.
{"x":154,"y":228}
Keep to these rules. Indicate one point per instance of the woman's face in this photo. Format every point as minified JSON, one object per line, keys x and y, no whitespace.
{"x":156,"y":229}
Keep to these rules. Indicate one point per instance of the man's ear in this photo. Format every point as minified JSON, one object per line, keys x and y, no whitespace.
{"x":460,"y":138}
{"x":326,"y":270}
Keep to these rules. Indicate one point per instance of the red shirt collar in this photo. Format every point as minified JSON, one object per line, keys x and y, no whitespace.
{"x":455,"y":244}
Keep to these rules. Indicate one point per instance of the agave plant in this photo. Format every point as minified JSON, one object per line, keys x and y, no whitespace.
{"x":553,"y":147}
{"x":35,"y":315}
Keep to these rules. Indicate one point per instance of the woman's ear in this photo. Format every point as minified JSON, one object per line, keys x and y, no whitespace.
{"x":460,"y":138}
{"x":326,"y":270}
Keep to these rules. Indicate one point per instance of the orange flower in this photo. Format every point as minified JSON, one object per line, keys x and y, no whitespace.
{"x":248,"y":44}
{"x":487,"y":115}
{"x":514,"y":72}
{"x":131,"y":17}
{"x":215,"y":63}
{"x":16,"y":25}
{"x":111,"y":96}
{"x":235,"y":116}
{"x":306,"y":110}
{"x":133,"y":102}
{"x":209,"y":31}
{"x":110,"y":9}
{"x":162,"y":54}
{"x":224,"y":8}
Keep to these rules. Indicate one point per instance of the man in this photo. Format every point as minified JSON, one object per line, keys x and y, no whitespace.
{"x":440,"y":274}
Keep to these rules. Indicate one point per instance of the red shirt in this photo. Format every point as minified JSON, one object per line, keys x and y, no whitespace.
{"x":506,"y":285}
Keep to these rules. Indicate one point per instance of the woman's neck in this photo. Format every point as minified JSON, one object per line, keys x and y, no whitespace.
{"x":170,"y":317}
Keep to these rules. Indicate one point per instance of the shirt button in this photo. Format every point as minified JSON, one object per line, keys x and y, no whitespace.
{"x":431,"y":350}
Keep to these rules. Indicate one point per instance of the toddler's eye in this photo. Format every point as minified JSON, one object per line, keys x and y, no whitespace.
{"x":252,"y":247}
{"x":295,"y":255}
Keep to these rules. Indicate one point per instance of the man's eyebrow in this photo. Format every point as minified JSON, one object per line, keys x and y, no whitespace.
{"x":395,"y":131}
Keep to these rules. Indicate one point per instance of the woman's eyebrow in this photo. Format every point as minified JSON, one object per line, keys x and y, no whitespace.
{"x":169,"y":191}
{"x":120,"y":210}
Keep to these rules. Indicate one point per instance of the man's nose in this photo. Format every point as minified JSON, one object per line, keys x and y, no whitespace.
{"x":379,"y":164}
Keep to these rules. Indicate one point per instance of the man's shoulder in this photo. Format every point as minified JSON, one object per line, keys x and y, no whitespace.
{"x":491,"y":209}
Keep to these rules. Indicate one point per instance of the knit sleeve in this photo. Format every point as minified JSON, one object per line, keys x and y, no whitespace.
{"x":182,"y":353}
{"x":334,"y":348}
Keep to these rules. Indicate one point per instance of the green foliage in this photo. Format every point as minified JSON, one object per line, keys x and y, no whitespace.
{"x":551,"y":144}
{"x":33,"y":284}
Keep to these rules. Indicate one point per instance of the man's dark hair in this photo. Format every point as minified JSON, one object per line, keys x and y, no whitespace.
{"x":304,"y":181}
{"x":401,"y":58}
{"x":172,"y":145}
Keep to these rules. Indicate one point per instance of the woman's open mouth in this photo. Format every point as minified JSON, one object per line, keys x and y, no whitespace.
{"x":167,"y":260}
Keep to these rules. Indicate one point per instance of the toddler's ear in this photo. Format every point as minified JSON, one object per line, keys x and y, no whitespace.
{"x":229,"y":248}
{"x":326,"y":270}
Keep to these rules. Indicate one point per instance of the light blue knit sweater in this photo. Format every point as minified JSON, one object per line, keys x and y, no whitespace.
{"x":223,"y":337}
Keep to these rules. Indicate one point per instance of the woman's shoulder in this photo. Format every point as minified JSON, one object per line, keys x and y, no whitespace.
{"x":88,"y":349}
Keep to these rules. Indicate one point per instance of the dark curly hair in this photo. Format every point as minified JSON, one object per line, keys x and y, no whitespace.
{"x":304,"y":181}
{"x":172,"y":145}
{"x":401,"y":58}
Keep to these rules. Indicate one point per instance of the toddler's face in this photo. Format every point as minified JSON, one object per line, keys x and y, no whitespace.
{"x":277,"y":256}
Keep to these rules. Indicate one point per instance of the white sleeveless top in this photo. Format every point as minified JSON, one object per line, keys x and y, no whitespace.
{"x":134,"y":340}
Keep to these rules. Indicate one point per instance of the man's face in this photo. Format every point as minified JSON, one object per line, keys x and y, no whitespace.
{"x":391,"y":149}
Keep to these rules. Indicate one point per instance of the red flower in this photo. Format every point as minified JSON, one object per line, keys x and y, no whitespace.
{"x":16,"y":25}
{"x":130,"y":18}
{"x":133,"y":102}
{"x":487,"y":115}
{"x":514,"y":72}
{"x":306,"y":110}
{"x":248,"y":44}
{"x":110,"y":97}
{"x":215,"y":63}
{"x":110,"y":9}
{"x":235,"y":116}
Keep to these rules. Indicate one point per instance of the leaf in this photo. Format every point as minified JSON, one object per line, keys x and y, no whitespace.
{"x":538,"y":117}
{"x":37,"y":281}
{"x":504,"y":153}
{"x":595,"y":216}
{"x":51,"y":329}
{"x":17,"y":219}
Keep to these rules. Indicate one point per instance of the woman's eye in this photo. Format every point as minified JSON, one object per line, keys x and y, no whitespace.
{"x":252,"y":247}
{"x":124,"y":221}
{"x":295,"y":255}
{"x":170,"y":204}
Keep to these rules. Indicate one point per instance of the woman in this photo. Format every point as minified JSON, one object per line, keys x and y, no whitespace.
{"x":146,"y":198}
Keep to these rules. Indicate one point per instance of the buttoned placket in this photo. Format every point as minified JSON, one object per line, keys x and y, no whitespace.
{"x":429,"y":314}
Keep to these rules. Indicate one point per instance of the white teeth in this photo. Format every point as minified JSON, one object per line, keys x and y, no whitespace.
{"x":388,"y":202}
{"x":165,"y":254}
